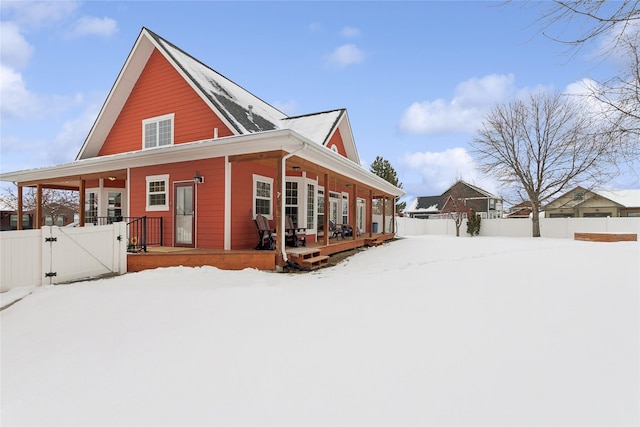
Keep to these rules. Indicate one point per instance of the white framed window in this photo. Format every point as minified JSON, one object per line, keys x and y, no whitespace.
{"x":361,"y":208}
{"x":157,"y":131}
{"x":91,"y":207}
{"x":345,"y":208}
{"x":311,"y":206}
{"x":320,"y":215}
{"x":262,"y":196}
{"x":158,"y":193}
{"x":291,"y":201}
{"x":334,"y":204}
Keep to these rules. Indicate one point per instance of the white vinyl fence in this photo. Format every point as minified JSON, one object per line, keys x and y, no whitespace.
{"x":59,"y":254}
{"x":563,"y":228}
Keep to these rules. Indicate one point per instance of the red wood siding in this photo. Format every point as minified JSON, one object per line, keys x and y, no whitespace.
{"x":209,"y":199}
{"x":336,"y":140}
{"x":243,"y":230}
{"x":162,"y":90}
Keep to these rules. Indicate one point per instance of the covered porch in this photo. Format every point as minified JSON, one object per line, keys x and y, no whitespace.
{"x":164,"y":256}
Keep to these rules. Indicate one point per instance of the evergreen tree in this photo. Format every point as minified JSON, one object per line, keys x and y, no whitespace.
{"x":384,"y":170}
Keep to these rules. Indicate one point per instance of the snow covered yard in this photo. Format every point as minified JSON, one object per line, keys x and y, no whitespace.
{"x":423,"y":331}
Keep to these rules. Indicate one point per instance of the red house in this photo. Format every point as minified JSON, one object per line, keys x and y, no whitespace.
{"x":179,"y":143}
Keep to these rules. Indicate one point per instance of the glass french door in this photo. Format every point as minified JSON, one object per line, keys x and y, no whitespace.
{"x":184,"y":214}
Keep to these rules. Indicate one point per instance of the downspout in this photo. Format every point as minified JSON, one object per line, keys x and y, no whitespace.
{"x":283,"y":191}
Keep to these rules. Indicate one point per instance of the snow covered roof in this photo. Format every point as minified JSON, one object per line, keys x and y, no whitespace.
{"x":425,"y":204}
{"x":317,"y":127}
{"x":626,"y":198}
{"x":246,"y":112}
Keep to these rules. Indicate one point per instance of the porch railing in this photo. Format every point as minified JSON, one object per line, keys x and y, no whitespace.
{"x":141,"y":231}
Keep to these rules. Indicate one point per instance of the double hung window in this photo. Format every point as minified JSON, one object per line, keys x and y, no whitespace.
{"x":158,"y":193}
{"x":262,"y":196}
{"x":157,"y":131}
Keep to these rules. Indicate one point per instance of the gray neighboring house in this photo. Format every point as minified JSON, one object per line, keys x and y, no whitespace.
{"x":488,"y":205}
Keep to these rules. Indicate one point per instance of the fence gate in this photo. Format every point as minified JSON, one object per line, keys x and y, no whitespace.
{"x":70,"y":254}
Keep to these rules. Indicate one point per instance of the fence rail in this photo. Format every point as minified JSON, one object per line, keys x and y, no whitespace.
{"x":141,"y":231}
{"x":563,"y":228}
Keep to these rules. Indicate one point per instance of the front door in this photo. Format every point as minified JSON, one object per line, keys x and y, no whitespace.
{"x":184,"y":214}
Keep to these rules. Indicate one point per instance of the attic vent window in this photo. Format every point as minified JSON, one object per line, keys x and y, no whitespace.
{"x":157,"y":131}
{"x":579,"y":195}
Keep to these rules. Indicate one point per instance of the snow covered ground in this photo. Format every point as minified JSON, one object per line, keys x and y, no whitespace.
{"x":425,"y":331}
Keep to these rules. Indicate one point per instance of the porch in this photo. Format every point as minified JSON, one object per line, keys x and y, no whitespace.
{"x":269,"y":260}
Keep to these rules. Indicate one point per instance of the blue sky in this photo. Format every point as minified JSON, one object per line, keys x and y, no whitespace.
{"x":415,"y":77}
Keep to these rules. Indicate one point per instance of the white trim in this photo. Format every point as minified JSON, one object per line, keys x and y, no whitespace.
{"x":267,"y":180}
{"x":127,"y":186}
{"x":167,"y":191}
{"x":285,"y":140}
{"x":227,"y":203}
{"x":156,"y":120}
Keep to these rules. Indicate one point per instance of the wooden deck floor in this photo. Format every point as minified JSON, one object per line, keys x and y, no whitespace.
{"x":162,"y":256}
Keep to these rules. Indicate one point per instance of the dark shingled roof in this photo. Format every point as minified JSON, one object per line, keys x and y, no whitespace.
{"x":246,"y":112}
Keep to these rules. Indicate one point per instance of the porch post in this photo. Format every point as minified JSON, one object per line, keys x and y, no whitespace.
{"x":384,"y":215}
{"x":353,"y":211}
{"x":327,"y":210}
{"x":393,"y":215}
{"x":81,"y":202}
{"x":19,"y":207}
{"x":370,"y":221}
{"x":38,"y":215}
{"x":278,"y":187}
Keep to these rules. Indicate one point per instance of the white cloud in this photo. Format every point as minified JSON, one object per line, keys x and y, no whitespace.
{"x":315,"y":26}
{"x":430,"y":173}
{"x":89,"y":25}
{"x":472,"y":100}
{"x":289,"y":108}
{"x":36,"y":14}
{"x":15,"y":51}
{"x":69,"y":141}
{"x":17,"y":100}
{"x":345,"y":55}
{"x":350,"y":32}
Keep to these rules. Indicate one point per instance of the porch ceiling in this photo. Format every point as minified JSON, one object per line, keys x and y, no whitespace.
{"x":297,"y":164}
{"x":72,"y":182}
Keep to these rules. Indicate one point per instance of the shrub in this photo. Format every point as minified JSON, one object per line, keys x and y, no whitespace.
{"x":473,"y":223}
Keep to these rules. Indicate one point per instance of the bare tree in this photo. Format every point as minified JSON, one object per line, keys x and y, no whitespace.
{"x":455,"y":208}
{"x":615,"y":27}
{"x":542,"y":146}
{"x":55,"y":203}
{"x":594,"y":18}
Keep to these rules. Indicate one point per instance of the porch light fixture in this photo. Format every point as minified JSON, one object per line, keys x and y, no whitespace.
{"x":296,"y":168}
{"x":111,"y":178}
{"x":198,"y":179}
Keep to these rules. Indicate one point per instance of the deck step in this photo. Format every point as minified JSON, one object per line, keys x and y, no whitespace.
{"x":315,"y":262}
{"x":308,"y":258}
{"x":372,"y":242}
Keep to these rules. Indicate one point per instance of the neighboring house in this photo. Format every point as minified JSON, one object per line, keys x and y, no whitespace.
{"x":481,"y":201}
{"x":584,"y":203}
{"x":521,"y":210}
{"x":9,"y":220}
{"x":179,"y":141}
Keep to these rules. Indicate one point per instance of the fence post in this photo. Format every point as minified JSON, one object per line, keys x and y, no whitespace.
{"x":144,"y":233}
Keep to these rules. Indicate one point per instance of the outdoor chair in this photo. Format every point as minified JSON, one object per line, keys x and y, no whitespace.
{"x":266,"y":235}
{"x":294,"y":236}
{"x":335,"y":231}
